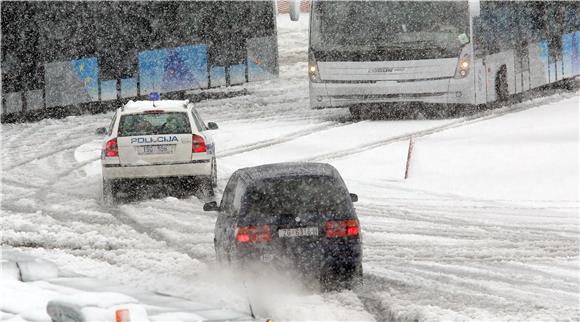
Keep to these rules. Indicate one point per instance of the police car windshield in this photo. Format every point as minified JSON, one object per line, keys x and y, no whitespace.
{"x":154,"y":123}
{"x":298,"y":195}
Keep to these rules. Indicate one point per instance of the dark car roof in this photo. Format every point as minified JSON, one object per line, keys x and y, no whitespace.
{"x":287,"y":169}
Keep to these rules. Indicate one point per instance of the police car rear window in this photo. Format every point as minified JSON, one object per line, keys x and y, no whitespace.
{"x":154,"y":123}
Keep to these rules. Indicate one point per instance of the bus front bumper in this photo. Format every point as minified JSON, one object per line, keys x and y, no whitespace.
{"x":443,"y":91}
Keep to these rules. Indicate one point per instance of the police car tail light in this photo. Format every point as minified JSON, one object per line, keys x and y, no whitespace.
{"x":342,"y":228}
{"x":197,"y":144}
{"x":111,"y":148}
{"x":253,"y":234}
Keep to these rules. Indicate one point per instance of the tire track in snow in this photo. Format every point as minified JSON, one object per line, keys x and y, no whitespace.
{"x":153,"y":233}
{"x":55,"y":160}
{"x":43,"y":155}
{"x":469,"y":120}
{"x":63,"y":215}
{"x":279,"y":140}
{"x":429,"y":215}
{"x":370,"y":296}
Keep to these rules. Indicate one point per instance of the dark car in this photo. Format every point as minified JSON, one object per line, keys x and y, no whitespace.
{"x":291,"y":215}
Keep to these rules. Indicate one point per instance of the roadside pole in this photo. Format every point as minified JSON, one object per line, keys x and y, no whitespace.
{"x":409,"y":155}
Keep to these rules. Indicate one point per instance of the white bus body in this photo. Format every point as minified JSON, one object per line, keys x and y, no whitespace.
{"x":442,"y":52}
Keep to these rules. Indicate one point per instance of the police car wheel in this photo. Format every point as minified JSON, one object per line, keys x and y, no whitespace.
{"x":109,"y":191}
{"x":206,"y":187}
{"x":213,"y":173}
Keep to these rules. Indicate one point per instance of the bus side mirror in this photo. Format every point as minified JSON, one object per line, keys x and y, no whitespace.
{"x":101,"y":131}
{"x":212,"y":126}
{"x":294,"y":9}
{"x":474,"y":8}
{"x":353,"y":197}
{"x":211,"y":206}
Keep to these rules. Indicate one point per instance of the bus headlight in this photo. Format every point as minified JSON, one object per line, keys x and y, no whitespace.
{"x":463,"y":67}
{"x":313,"y":73}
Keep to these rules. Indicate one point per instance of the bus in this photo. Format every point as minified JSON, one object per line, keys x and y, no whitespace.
{"x":441,"y":54}
{"x":65,"y":56}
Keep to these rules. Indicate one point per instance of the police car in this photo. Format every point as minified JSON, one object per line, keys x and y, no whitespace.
{"x":158,"y":139}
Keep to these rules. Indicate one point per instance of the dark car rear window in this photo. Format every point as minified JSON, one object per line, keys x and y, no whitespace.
{"x":297,"y":195}
{"x":154,"y":123}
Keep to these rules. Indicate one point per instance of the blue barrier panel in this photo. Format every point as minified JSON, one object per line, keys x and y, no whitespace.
{"x":108,"y":90}
{"x":173,"y":69}
{"x":262,"y":58}
{"x":34,"y":100}
{"x":217,"y":76}
{"x":237,"y":74}
{"x":128,"y":87}
{"x":545,"y":59}
{"x":12,"y":103}
{"x":71,"y":82}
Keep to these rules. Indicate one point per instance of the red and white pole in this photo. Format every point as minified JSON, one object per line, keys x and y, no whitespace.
{"x":409,"y":154}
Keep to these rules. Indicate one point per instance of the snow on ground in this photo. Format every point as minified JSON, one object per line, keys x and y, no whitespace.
{"x":531,"y":156}
{"x":485,"y":228}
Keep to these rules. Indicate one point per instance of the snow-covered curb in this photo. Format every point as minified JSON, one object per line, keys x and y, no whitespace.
{"x":40,"y":292}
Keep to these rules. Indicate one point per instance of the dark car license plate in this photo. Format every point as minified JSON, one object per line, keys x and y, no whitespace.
{"x":298,"y":232}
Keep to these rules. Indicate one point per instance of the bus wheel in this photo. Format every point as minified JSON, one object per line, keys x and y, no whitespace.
{"x":355,"y":112}
{"x":501,"y":86}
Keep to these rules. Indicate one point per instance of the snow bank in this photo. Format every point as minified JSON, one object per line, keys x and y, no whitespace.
{"x":16,"y":266}
{"x":528,"y":156}
{"x":36,"y":270}
{"x":525,"y":157}
{"x":94,"y":306}
{"x":9,"y":270}
{"x":42,"y":295}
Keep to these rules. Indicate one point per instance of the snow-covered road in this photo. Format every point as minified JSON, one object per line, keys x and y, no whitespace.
{"x":485,"y":228}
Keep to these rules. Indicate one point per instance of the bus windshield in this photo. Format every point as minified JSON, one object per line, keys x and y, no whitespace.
{"x":440,"y":27}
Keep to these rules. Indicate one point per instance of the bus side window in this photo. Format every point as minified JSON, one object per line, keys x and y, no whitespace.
{"x":478,"y":41}
{"x":571,"y":16}
{"x":496,"y":27}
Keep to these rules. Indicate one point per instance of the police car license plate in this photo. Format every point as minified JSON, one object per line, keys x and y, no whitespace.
{"x":298,"y":232}
{"x":156,"y":149}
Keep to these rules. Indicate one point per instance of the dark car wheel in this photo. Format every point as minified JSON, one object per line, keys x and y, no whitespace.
{"x":342,"y":278}
{"x":356,"y":279}
{"x":219,"y":259}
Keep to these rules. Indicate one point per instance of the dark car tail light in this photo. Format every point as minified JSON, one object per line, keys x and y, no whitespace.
{"x":197,"y":144}
{"x":111,"y":148}
{"x":253,"y":234}
{"x":342,"y":228}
